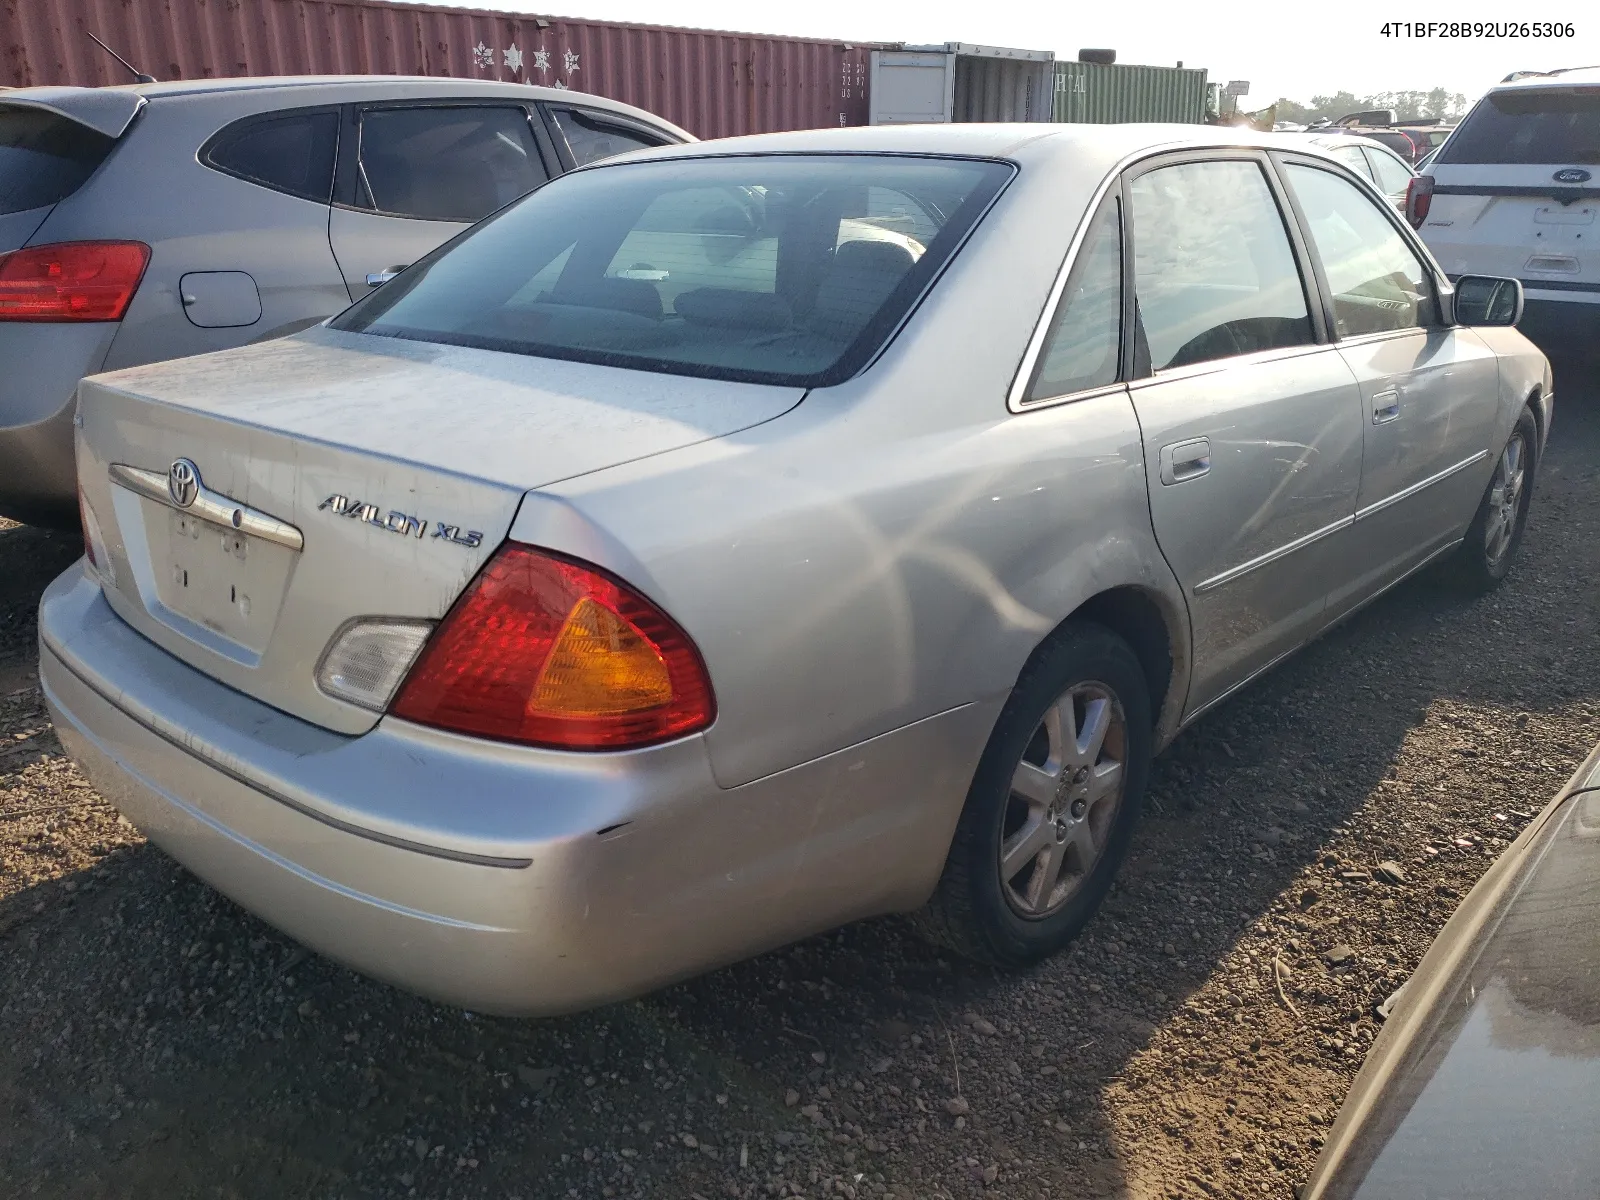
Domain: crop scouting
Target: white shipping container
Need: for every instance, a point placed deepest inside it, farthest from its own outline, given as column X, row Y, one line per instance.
column 961, row 82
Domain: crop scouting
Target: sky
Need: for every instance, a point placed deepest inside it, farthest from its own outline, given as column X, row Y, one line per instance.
column 1286, row 49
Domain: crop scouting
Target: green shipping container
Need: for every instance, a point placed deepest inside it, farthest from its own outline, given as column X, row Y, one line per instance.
column 1102, row 95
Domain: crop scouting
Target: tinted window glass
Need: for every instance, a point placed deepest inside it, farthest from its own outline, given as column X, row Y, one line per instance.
column 1398, row 142
column 44, row 158
column 1354, row 158
column 1082, row 349
column 1377, row 282
column 445, row 163
column 770, row 269
column 1534, row 125
column 591, row 139
column 289, row 154
column 1214, row 275
column 1392, row 176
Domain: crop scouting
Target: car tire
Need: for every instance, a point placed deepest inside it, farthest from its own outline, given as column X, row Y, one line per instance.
column 1084, row 674
column 1484, row 557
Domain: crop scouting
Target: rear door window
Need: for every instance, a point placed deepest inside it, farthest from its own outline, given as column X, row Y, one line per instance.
column 293, row 153
column 1214, row 274
column 591, row 137
column 1355, row 158
column 44, row 158
column 445, row 162
column 1529, row 125
column 786, row 269
column 1392, row 176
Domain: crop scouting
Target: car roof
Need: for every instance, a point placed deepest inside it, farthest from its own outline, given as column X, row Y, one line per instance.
column 1562, row 77
column 123, row 100
column 1013, row 141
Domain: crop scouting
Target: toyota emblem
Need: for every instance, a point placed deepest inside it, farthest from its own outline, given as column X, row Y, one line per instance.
column 183, row 482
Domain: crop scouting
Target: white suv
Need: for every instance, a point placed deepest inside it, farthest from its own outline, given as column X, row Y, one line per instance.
column 1515, row 190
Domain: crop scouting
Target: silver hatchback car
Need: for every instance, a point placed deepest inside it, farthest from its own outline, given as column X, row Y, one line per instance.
column 741, row 539
column 151, row 221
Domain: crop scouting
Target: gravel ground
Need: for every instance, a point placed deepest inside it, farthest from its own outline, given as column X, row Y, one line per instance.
column 157, row 1041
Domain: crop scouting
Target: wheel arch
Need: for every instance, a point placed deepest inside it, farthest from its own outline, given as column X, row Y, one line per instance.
column 1158, row 635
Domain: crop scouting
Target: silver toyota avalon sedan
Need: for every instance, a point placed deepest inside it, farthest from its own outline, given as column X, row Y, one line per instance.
column 735, row 540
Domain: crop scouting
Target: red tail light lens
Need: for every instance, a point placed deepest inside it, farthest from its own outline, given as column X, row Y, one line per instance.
column 1419, row 198
column 71, row 281
column 551, row 652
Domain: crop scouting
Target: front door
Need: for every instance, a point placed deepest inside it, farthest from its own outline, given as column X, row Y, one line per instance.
column 1252, row 426
column 1430, row 393
column 414, row 176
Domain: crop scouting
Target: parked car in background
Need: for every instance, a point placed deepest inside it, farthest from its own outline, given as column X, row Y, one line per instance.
column 1516, row 192
column 1485, row 1081
column 464, row 638
column 152, row 221
column 1382, row 167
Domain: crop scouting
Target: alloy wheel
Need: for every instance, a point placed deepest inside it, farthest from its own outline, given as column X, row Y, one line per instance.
column 1505, row 500
column 1064, row 798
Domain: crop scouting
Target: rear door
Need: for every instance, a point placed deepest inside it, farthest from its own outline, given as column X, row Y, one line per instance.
column 1251, row 421
column 1517, row 192
column 1430, row 393
column 412, row 176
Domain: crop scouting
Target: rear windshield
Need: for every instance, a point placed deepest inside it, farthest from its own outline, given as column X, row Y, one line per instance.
column 788, row 269
column 1529, row 125
column 44, row 158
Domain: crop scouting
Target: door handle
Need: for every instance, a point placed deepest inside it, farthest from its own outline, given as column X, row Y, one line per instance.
column 378, row 278
column 1385, row 406
column 1183, row 461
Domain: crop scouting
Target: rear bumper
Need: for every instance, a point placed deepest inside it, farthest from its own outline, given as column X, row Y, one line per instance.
column 503, row 879
column 40, row 365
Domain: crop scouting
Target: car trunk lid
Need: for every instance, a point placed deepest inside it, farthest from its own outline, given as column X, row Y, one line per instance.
column 332, row 476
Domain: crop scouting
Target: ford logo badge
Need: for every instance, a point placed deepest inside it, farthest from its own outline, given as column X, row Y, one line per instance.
column 1572, row 175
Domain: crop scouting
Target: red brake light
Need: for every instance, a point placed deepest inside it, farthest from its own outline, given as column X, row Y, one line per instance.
column 71, row 281
column 551, row 652
column 1419, row 198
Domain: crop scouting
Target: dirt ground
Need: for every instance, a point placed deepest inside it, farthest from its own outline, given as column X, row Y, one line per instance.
column 157, row 1041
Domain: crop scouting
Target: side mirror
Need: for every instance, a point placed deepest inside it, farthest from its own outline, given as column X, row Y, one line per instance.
column 1488, row 300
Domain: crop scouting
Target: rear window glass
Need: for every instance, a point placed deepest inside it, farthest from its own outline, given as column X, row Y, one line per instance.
column 1529, row 125
column 775, row 269
column 44, row 158
column 291, row 154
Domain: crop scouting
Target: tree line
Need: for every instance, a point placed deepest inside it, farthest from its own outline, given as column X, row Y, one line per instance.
column 1407, row 106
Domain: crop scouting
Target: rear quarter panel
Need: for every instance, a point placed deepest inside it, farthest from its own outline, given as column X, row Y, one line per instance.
column 153, row 189
column 898, row 545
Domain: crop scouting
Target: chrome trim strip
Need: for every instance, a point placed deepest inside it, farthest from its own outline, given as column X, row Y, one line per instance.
column 209, row 506
column 1271, row 556
column 1427, row 561
column 178, row 743
column 1407, row 493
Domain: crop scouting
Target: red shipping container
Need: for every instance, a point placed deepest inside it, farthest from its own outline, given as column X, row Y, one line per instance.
column 711, row 83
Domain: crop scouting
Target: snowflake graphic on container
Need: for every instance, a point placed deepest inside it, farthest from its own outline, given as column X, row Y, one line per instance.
column 570, row 59
column 541, row 61
column 483, row 56
column 513, row 57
